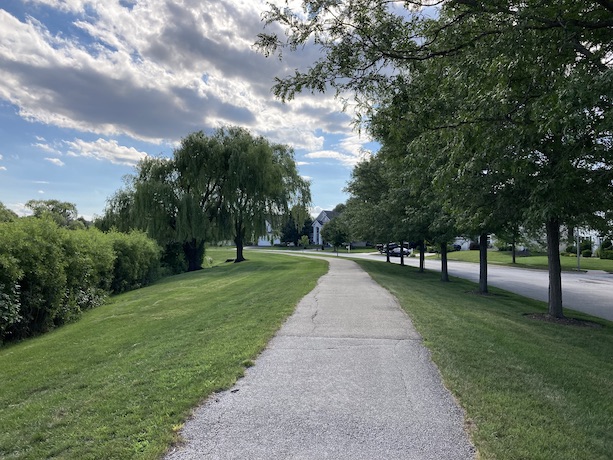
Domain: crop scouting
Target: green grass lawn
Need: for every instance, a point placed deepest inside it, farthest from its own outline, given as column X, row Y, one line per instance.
column 119, row 383
column 538, row 261
column 532, row 390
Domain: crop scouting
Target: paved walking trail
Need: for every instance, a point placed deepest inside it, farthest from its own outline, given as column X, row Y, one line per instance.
column 346, row 377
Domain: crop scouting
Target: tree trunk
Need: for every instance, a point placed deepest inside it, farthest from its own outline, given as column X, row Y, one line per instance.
column 194, row 252
column 402, row 253
column 422, row 256
column 239, row 240
column 555, row 268
column 483, row 263
column 387, row 253
column 513, row 250
column 444, row 270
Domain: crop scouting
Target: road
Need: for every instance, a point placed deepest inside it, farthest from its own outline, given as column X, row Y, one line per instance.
column 589, row 292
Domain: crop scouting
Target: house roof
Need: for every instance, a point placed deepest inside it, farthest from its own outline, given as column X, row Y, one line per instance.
column 321, row 218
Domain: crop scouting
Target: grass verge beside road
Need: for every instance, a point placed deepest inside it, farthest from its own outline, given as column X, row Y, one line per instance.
column 533, row 390
column 537, row 261
column 119, row 383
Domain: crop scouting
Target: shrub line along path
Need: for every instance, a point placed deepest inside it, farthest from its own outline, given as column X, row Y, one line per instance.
column 346, row 377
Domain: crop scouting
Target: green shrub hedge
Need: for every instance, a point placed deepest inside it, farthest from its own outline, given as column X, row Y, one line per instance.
column 137, row 261
column 606, row 254
column 50, row 274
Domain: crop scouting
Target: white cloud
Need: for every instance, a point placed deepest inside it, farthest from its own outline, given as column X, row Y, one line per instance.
column 315, row 211
column 3, row 168
column 47, row 148
column 156, row 71
column 63, row 5
column 346, row 159
column 41, row 192
column 105, row 150
column 55, row 161
column 19, row 208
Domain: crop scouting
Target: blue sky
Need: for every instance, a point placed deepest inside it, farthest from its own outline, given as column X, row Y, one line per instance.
column 87, row 88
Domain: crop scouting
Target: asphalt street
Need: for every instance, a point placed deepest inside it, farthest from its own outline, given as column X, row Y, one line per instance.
column 589, row 292
column 346, row 377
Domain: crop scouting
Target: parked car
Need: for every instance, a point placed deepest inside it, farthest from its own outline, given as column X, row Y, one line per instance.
column 397, row 251
column 383, row 247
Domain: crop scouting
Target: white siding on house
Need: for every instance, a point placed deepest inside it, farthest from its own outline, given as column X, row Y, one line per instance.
column 323, row 218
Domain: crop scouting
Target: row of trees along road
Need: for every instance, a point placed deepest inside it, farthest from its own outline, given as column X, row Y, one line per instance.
column 493, row 115
column 225, row 186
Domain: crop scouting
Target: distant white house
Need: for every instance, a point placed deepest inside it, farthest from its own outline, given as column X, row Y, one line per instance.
column 270, row 238
column 323, row 218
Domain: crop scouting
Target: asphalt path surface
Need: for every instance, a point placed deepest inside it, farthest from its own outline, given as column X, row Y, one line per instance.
column 589, row 292
column 346, row 377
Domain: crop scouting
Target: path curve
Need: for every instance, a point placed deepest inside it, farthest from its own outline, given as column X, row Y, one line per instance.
column 346, row 377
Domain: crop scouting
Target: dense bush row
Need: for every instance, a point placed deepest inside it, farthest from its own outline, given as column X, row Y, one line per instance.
column 50, row 274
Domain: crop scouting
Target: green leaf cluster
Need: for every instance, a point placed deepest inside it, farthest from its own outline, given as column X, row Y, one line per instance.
column 494, row 116
column 229, row 185
column 50, row 274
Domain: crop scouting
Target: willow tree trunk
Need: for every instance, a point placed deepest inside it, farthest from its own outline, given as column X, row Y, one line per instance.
column 483, row 263
column 555, row 268
column 239, row 240
column 402, row 253
column 444, row 270
column 194, row 253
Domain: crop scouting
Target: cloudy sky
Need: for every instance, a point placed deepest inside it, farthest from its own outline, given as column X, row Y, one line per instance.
column 88, row 87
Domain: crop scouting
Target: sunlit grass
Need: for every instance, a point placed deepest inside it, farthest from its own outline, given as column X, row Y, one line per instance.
column 538, row 261
column 534, row 390
column 119, row 383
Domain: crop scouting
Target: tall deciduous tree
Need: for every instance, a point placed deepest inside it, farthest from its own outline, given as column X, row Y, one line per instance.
column 526, row 85
column 297, row 224
column 6, row 215
column 62, row 212
column 336, row 232
column 261, row 186
column 176, row 200
column 227, row 185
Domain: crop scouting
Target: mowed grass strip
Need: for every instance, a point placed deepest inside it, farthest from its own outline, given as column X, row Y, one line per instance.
column 533, row 390
column 119, row 383
column 537, row 261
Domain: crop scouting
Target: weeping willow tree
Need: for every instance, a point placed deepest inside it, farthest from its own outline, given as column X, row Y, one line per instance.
column 176, row 200
column 262, row 186
column 230, row 185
